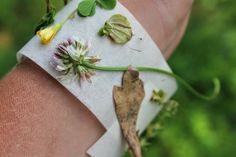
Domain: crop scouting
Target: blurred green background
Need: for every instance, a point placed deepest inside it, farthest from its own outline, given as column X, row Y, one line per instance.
column 200, row 129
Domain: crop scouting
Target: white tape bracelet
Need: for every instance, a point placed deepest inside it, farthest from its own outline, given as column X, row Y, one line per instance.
column 97, row 96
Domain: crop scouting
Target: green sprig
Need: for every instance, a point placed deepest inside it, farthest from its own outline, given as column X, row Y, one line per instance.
column 168, row 111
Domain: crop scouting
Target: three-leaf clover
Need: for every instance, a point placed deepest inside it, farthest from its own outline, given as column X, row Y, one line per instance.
column 88, row 7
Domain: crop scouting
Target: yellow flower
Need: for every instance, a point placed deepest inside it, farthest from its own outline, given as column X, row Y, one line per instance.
column 49, row 33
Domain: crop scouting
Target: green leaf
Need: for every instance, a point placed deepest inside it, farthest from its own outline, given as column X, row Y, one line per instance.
column 118, row 29
column 46, row 20
column 93, row 10
column 86, row 8
column 107, row 4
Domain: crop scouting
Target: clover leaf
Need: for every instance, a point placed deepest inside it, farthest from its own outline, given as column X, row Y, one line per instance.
column 88, row 7
column 107, row 4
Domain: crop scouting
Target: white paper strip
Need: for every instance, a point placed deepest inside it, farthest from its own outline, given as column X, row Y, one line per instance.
column 97, row 97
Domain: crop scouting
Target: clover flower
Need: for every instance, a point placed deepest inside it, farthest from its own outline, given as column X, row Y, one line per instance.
column 70, row 57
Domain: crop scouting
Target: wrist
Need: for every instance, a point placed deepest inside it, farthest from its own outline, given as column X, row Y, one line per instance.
column 33, row 102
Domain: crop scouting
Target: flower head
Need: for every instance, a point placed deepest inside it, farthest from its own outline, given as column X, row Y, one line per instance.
column 158, row 96
column 70, row 57
column 49, row 33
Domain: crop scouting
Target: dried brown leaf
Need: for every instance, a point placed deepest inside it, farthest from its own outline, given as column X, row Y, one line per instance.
column 128, row 99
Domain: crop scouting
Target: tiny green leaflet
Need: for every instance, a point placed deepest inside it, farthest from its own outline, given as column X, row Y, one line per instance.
column 88, row 7
column 118, row 29
column 107, row 4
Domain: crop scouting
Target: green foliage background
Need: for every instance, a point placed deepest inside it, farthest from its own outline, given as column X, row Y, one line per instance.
column 200, row 129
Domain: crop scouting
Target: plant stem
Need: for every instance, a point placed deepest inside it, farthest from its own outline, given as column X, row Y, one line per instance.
column 216, row 81
column 65, row 2
column 49, row 5
column 72, row 14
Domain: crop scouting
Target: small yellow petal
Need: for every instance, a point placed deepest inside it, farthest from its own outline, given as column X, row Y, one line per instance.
column 49, row 33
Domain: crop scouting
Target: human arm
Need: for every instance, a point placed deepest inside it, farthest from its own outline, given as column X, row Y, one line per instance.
column 41, row 118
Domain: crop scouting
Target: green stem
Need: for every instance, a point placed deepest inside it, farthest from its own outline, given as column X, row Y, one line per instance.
column 216, row 81
column 72, row 14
